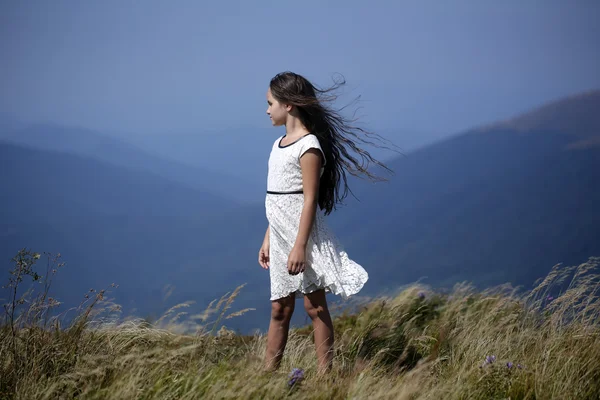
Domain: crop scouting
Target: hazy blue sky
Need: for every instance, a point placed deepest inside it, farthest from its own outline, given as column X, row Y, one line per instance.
column 195, row 66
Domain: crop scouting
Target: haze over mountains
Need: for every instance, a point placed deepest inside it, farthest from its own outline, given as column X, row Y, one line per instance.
column 500, row 203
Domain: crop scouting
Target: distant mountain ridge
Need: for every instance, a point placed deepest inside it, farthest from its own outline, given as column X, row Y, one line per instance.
column 576, row 115
column 55, row 184
column 89, row 143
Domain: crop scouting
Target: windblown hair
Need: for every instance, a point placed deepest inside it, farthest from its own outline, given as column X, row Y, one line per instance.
column 337, row 135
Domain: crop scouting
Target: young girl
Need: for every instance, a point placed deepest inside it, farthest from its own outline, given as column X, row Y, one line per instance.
column 306, row 167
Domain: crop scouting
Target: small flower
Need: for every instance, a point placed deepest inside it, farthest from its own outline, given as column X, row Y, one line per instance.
column 549, row 298
column 490, row 359
column 509, row 365
column 421, row 295
column 519, row 366
column 295, row 376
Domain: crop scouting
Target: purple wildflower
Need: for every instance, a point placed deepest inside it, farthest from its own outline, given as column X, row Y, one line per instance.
column 490, row 359
column 295, row 376
column 509, row 365
column 421, row 295
column 519, row 366
column 549, row 298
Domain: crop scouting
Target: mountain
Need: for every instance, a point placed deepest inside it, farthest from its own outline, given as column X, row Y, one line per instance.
column 92, row 144
column 201, row 257
column 576, row 115
column 43, row 184
column 114, row 224
column 501, row 203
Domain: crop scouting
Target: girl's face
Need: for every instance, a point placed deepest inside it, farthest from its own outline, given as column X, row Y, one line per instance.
column 277, row 112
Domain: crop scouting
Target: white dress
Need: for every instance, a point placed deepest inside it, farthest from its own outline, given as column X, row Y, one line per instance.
column 327, row 264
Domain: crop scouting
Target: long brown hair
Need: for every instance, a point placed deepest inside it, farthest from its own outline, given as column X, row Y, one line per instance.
column 337, row 135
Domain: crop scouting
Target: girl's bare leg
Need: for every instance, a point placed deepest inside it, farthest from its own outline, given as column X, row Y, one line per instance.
column 281, row 314
column 316, row 306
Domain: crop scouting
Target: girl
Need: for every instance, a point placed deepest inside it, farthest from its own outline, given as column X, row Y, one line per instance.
column 306, row 168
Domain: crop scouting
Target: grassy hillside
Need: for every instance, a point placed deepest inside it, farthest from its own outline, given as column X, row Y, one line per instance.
column 497, row 343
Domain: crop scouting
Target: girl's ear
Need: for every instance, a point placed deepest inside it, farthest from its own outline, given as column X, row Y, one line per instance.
column 289, row 107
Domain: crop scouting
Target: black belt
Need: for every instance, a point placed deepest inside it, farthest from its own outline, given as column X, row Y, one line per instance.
column 294, row 192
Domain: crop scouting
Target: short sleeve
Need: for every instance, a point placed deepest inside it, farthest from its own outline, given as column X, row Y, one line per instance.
column 311, row 142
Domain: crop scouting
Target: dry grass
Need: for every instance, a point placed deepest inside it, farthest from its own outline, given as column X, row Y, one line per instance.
column 417, row 345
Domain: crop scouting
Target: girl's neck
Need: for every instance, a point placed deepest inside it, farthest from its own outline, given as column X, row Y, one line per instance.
column 295, row 128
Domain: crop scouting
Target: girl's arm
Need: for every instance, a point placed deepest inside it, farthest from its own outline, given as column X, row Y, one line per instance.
column 310, row 163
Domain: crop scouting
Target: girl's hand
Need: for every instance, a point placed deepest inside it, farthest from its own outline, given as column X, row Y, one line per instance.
column 263, row 256
column 297, row 260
